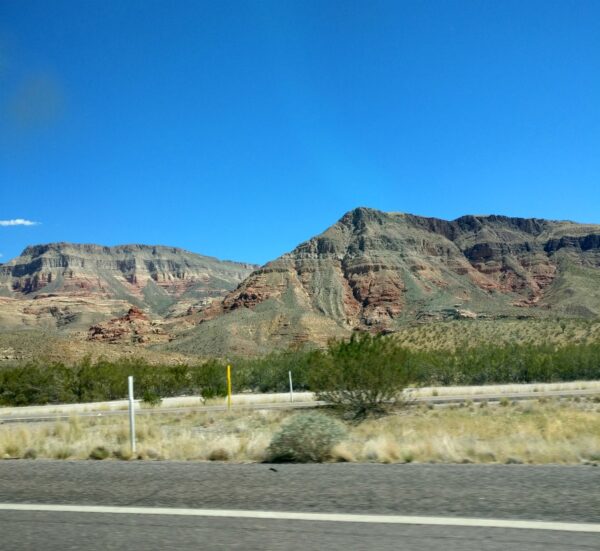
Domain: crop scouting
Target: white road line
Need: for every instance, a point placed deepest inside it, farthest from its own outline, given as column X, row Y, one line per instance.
column 314, row 517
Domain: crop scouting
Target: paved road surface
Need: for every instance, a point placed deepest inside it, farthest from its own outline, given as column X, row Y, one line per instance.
column 550, row 494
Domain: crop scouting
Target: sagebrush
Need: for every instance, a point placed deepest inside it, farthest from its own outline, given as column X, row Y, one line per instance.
column 306, row 438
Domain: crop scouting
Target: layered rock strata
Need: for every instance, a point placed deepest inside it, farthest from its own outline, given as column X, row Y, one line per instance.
column 77, row 284
column 375, row 271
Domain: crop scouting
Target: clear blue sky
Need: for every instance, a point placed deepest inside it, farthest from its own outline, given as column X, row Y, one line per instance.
column 239, row 129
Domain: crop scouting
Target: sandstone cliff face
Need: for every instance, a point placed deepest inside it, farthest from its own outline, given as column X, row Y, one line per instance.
column 376, row 271
column 75, row 285
column 135, row 327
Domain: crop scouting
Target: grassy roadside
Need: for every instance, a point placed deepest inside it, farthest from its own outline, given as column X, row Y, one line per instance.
column 536, row 432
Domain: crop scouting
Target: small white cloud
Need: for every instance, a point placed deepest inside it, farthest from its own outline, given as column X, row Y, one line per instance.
column 18, row 222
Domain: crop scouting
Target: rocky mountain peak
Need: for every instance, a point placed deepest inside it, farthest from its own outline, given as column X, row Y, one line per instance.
column 359, row 218
column 375, row 271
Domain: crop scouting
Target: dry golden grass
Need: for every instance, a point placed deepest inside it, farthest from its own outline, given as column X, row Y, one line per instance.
column 534, row 432
column 225, row 436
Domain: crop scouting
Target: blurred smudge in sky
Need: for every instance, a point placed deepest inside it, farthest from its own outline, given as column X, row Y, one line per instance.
column 37, row 101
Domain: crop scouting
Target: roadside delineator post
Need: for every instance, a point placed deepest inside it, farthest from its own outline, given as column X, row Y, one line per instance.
column 131, row 413
column 291, row 387
column 228, row 386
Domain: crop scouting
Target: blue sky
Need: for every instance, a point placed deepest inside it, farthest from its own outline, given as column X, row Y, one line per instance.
column 239, row 129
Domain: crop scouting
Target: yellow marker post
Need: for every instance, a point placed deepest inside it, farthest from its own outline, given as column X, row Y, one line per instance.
column 228, row 387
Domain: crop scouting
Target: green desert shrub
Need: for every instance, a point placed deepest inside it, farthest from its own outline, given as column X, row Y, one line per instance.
column 219, row 454
column 363, row 376
column 270, row 373
column 30, row 453
column 151, row 397
column 99, row 453
column 211, row 379
column 306, row 438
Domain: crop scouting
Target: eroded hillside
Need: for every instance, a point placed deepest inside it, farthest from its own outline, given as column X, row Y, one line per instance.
column 379, row 271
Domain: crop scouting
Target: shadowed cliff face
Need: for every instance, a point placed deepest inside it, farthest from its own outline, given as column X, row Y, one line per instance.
column 375, row 271
column 67, row 284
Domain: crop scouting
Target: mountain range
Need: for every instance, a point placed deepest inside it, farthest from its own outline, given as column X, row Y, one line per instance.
column 370, row 271
column 72, row 286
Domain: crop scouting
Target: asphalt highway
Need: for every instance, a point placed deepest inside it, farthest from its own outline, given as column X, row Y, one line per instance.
column 113, row 505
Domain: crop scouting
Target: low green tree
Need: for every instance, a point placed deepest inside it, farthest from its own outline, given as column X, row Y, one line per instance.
column 363, row 376
column 210, row 379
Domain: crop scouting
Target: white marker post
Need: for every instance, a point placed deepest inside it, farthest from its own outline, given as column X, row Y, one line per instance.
column 291, row 387
column 131, row 414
